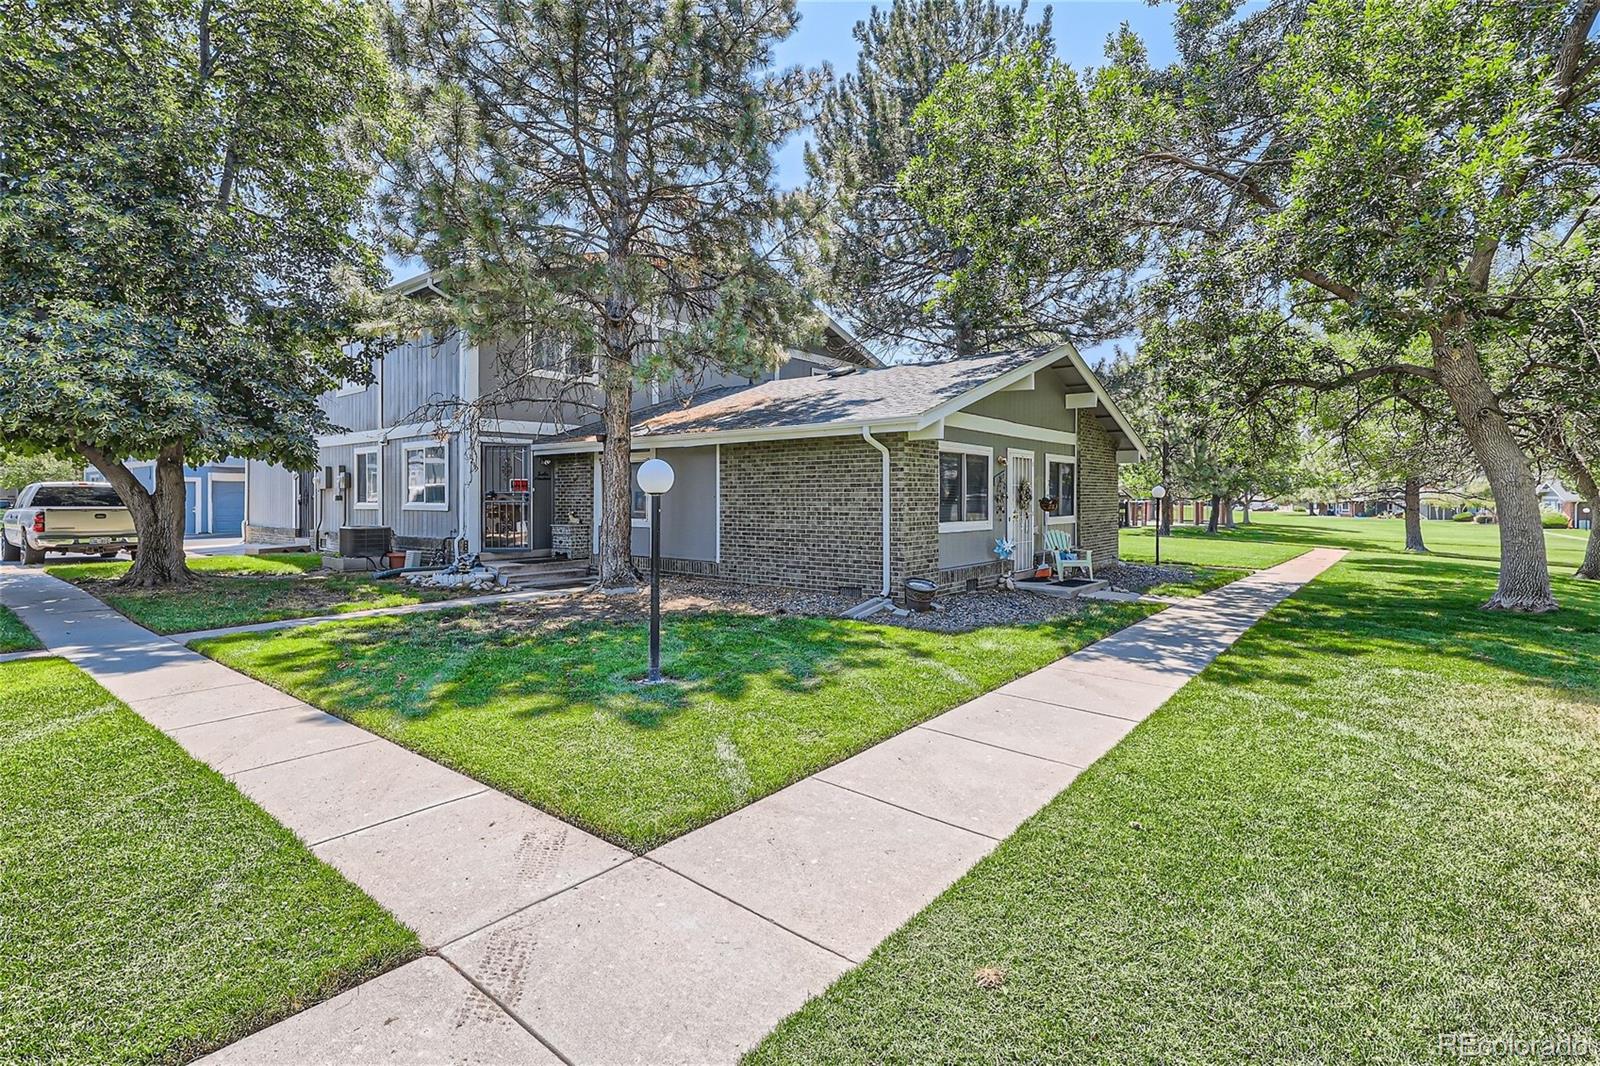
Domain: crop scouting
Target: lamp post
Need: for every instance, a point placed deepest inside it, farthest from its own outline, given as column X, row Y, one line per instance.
column 1159, row 493
column 655, row 478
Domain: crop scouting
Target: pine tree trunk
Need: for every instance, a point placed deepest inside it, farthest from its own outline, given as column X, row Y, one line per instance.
column 1164, row 515
column 615, row 562
column 1524, row 583
column 1216, row 505
column 1413, row 505
column 158, row 517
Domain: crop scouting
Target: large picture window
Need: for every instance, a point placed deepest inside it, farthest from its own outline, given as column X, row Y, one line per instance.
column 427, row 477
column 1061, row 477
column 965, row 488
column 554, row 356
column 367, row 478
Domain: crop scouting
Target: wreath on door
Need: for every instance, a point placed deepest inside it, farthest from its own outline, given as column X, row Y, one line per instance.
column 1024, row 496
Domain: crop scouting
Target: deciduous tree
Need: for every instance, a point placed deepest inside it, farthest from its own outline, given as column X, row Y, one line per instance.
column 180, row 257
column 1383, row 165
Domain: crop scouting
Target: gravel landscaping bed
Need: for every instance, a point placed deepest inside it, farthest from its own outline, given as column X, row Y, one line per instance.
column 955, row 613
column 1142, row 577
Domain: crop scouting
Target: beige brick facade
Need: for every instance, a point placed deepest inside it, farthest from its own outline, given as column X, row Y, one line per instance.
column 1097, row 490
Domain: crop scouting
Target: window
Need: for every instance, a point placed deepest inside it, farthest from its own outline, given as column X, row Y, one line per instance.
column 1061, row 475
column 367, row 477
column 76, row 496
column 641, row 501
column 427, row 471
column 551, row 355
column 964, row 488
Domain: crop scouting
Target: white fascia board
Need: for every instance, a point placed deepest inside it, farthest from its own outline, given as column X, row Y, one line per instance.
column 735, row 436
column 1000, row 427
column 1081, row 401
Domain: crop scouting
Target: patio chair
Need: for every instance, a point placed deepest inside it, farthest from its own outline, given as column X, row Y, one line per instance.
column 1063, row 556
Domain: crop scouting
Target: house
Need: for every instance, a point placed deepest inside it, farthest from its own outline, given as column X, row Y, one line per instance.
column 1554, row 496
column 214, row 493
column 403, row 459
column 860, row 479
column 830, row 471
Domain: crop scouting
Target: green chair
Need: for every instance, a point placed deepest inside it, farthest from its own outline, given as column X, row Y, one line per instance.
column 1064, row 557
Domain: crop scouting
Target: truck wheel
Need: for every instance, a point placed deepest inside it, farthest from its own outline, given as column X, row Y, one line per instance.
column 9, row 552
column 108, row 555
column 32, row 556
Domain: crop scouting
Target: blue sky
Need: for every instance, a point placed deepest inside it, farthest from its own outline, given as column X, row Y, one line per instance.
column 1081, row 28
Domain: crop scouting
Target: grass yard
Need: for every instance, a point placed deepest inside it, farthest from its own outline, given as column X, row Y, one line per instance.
column 1202, row 580
column 236, row 590
column 148, row 911
column 556, row 717
column 1277, row 536
column 1373, row 821
column 14, row 636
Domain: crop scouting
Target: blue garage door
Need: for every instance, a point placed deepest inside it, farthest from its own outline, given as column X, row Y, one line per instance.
column 227, row 508
column 191, row 514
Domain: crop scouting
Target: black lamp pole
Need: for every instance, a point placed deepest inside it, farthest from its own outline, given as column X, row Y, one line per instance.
column 655, row 587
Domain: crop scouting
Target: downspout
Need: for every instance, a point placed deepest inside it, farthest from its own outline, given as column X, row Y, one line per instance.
column 866, row 434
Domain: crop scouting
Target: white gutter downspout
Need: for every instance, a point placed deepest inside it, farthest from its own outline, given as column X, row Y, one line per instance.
column 866, row 434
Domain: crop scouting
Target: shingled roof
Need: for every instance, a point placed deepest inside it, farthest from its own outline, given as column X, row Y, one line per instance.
column 904, row 392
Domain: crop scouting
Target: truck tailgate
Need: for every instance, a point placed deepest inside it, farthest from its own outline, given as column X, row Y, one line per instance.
column 111, row 522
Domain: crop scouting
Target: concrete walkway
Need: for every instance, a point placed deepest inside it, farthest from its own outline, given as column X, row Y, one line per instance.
column 551, row 945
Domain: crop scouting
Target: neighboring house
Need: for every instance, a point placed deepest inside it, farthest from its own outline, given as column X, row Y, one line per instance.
column 400, row 461
column 859, row 480
column 214, row 504
column 1554, row 496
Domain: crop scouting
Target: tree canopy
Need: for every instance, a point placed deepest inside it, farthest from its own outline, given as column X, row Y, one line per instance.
column 181, row 260
column 1308, row 166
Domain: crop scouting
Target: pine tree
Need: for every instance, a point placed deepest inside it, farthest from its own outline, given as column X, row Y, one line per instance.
column 602, row 171
column 880, row 262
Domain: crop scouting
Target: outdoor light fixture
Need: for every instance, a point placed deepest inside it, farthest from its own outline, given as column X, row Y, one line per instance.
column 1159, row 493
column 655, row 478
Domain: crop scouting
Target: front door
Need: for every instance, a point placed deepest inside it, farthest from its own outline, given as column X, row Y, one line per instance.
column 506, row 493
column 1019, row 508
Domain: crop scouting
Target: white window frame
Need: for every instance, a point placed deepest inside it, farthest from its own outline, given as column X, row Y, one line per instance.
column 957, row 447
column 533, row 337
column 1067, row 460
column 355, row 477
column 405, row 474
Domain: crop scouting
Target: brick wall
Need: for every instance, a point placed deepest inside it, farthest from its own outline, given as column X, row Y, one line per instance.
column 1097, row 490
column 914, row 510
column 572, row 481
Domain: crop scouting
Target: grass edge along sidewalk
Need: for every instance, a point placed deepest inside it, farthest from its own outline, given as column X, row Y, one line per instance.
column 150, row 912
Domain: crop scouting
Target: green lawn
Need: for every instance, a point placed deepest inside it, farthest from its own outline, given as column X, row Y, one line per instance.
column 148, row 911
column 14, row 636
column 557, row 718
column 235, row 590
column 1276, row 536
column 1201, row 581
column 1374, row 820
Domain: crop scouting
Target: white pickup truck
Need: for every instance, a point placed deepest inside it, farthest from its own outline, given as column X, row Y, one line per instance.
column 67, row 516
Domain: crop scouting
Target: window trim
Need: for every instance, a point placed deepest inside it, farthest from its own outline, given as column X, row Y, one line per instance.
column 355, row 477
column 405, row 473
column 961, row 448
column 1066, row 460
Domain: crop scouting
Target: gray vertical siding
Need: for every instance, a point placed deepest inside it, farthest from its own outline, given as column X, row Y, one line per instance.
column 270, row 500
column 416, row 374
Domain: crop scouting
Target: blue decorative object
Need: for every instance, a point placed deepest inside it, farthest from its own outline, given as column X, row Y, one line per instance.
column 1004, row 548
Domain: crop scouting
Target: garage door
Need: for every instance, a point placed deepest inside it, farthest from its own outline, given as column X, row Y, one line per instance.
column 191, row 508
column 227, row 508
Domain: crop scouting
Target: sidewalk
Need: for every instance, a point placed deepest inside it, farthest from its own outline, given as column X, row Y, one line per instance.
column 551, row 944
